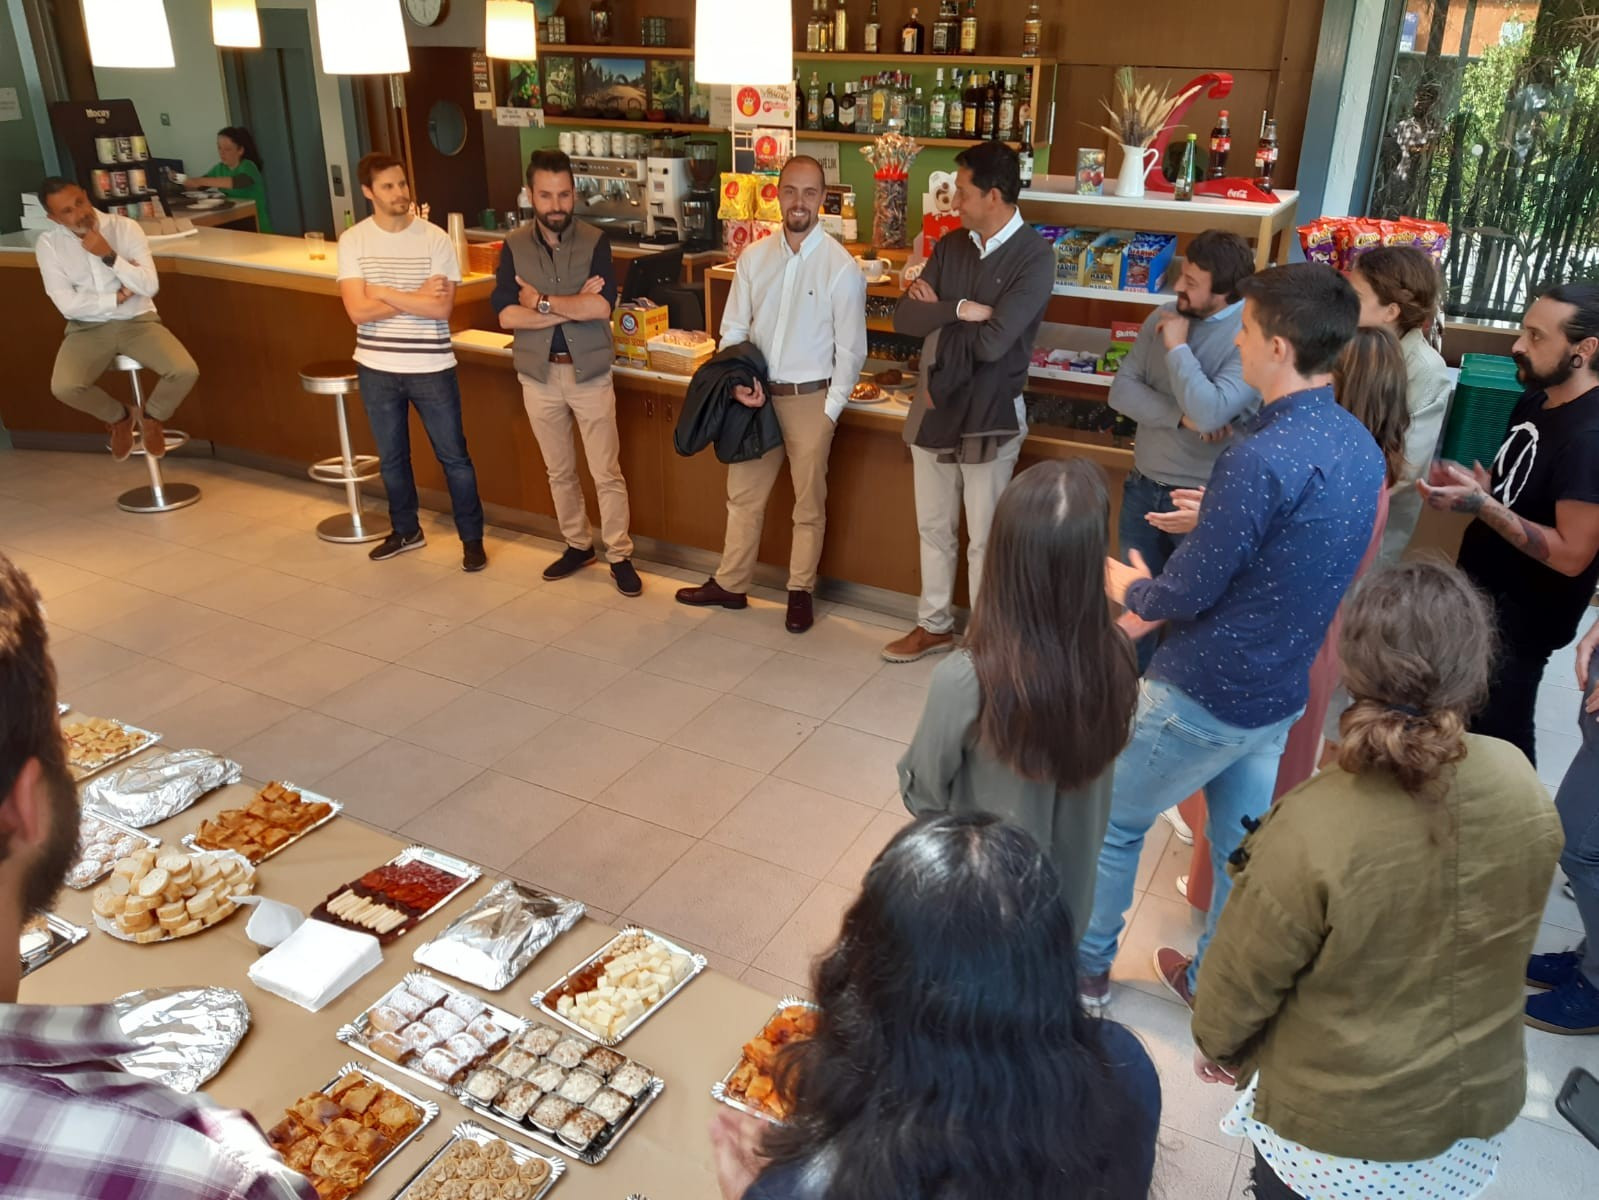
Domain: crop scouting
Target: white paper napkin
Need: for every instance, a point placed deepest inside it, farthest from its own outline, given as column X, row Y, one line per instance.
column 316, row 963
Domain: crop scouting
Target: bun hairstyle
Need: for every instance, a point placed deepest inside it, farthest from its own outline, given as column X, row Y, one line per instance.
column 1407, row 278
column 1418, row 646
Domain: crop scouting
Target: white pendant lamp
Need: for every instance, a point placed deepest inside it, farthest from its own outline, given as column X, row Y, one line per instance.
column 235, row 24
column 511, row 30
column 743, row 41
column 128, row 33
column 362, row 37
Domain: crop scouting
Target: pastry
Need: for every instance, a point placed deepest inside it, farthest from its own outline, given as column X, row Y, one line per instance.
column 96, row 741
column 579, row 1086
column 632, row 1080
column 547, row 1077
column 610, row 1105
column 518, row 1100
column 276, row 816
column 485, row 1084
column 581, row 1128
column 866, row 391
column 336, row 1138
column 603, row 1061
column 539, row 1039
column 485, row 1030
column 568, row 1052
column 550, row 1113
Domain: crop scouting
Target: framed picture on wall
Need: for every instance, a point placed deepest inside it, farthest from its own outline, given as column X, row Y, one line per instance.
column 560, row 84
column 699, row 97
column 522, row 90
column 668, row 89
column 614, row 88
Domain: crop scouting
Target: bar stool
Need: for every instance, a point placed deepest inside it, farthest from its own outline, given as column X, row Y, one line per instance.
column 160, row 496
column 337, row 378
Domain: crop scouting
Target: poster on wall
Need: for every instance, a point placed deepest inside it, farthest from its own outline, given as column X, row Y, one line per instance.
column 668, row 90
column 522, row 85
column 560, row 84
column 482, row 85
column 616, row 89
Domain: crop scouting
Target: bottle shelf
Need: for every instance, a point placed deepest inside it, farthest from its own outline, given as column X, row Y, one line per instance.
column 841, row 136
column 616, row 51
column 888, row 59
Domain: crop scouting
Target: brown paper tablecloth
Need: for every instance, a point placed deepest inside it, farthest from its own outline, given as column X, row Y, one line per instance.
column 690, row 1042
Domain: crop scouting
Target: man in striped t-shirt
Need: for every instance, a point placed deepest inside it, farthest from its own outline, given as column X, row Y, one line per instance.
column 397, row 275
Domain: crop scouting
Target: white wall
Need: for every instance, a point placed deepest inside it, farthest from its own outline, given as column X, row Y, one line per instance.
column 1354, row 104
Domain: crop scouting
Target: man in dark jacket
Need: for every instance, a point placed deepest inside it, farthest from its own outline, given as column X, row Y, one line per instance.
column 978, row 305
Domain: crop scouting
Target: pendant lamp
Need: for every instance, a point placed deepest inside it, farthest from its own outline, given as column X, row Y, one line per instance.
column 743, row 41
column 235, row 24
column 362, row 37
column 511, row 30
column 128, row 33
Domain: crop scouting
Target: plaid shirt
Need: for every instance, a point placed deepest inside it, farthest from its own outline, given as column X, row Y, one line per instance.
column 73, row 1123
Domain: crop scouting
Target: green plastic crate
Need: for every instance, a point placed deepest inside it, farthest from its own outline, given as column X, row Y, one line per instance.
column 1484, row 398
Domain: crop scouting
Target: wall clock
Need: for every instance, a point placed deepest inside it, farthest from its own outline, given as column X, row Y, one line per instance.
column 426, row 12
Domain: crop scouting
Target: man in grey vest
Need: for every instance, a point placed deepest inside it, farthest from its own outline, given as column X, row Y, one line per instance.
column 554, row 291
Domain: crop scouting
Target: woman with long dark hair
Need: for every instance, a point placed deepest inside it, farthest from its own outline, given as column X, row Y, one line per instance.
column 952, row 1060
column 238, row 172
column 1026, row 720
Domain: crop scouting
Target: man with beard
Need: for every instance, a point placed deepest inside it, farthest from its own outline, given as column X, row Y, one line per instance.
column 554, row 291
column 72, row 1121
column 1534, row 546
column 800, row 300
column 1183, row 384
column 397, row 276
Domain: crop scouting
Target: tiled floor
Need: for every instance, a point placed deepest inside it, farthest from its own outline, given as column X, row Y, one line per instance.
column 705, row 773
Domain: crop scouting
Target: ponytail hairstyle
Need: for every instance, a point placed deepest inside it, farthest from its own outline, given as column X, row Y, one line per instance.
column 1418, row 647
column 245, row 141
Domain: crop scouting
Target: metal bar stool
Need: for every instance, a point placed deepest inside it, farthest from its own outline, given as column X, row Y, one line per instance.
column 160, row 496
column 337, row 378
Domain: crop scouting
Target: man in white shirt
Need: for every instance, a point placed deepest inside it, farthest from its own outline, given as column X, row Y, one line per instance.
column 397, row 277
column 800, row 299
column 98, row 270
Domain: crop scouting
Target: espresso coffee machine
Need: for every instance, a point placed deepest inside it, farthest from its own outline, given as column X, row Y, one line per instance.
column 699, row 206
column 668, row 186
column 611, row 194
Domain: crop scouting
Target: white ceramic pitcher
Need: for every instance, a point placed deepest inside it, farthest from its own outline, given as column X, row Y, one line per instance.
column 1136, row 161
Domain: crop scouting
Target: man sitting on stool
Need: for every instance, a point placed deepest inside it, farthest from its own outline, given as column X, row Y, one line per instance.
column 98, row 270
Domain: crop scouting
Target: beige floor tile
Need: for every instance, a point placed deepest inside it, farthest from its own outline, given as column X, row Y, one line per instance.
column 493, row 819
column 774, row 986
column 1162, row 853
column 314, row 611
column 1154, row 921
column 159, row 625
column 469, row 654
column 760, row 624
column 1550, row 1057
column 793, row 826
column 304, row 749
column 649, row 705
column 389, row 632
column 188, row 526
column 803, row 685
column 480, row 726
column 884, row 707
column 722, row 899
column 1188, row 1104
column 918, row 673
column 592, row 585
column 245, row 590
column 113, row 553
column 847, row 762
column 391, row 699
column 460, row 596
column 233, row 649
column 266, row 543
column 840, row 640
column 851, row 867
column 1543, row 1161
column 680, row 790
column 395, row 782
column 541, row 615
column 50, row 578
column 810, row 932
column 308, row 557
column 746, row 732
column 81, row 660
column 1190, row 1167
column 393, row 580
column 309, row 674
column 577, row 757
column 141, row 692
column 179, row 574
column 602, row 858
column 86, row 608
column 220, row 718
column 709, row 661
column 616, row 636
column 559, row 680
column 659, row 601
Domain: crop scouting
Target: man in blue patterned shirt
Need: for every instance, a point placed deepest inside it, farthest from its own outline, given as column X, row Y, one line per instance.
column 1246, row 600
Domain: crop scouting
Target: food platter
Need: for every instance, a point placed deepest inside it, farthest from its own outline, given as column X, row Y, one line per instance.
column 101, row 842
column 437, row 1170
column 201, row 840
column 54, row 937
column 731, row 1088
column 369, row 904
column 82, row 770
column 587, row 974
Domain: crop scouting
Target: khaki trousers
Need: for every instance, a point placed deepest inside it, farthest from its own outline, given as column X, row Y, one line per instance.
column 553, row 407
column 807, row 440
column 942, row 490
column 87, row 352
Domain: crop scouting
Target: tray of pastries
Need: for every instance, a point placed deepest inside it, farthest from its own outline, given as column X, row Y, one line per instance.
column 431, row 1030
column 94, row 743
column 749, row 1086
column 396, row 897
column 47, row 937
column 341, row 1135
column 562, row 1090
column 477, row 1158
column 619, row 986
column 279, row 815
column 160, row 896
column 102, row 843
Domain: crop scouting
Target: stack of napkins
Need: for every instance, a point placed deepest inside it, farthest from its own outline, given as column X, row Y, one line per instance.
column 316, row 963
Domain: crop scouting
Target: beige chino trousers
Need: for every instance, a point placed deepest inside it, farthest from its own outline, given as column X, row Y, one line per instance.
column 553, row 408
column 87, row 353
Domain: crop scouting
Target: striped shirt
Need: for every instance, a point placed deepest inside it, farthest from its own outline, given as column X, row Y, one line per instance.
column 74, row 1124
column 402, row 344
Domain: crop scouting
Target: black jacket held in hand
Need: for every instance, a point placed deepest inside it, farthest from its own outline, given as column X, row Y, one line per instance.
column 711, row 416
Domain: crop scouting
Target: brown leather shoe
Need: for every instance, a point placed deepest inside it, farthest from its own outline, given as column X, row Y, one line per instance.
column 121, row 438
column 155, row 437
column 918, row 643
column 801, row 615
column 711, row 594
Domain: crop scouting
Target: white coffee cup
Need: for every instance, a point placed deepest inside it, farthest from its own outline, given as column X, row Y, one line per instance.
column 580, row 145
column 564, row 141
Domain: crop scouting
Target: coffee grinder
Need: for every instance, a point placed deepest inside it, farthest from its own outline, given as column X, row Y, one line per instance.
column 699, row 206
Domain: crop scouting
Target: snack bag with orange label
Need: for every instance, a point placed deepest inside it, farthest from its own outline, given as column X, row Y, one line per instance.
column 767, row 206
column 1318, row 242
column 736, row 235
column 738, row 197
column 764, row 229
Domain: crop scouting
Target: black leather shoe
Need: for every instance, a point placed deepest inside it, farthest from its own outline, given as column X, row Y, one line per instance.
column 710, row 594
column 626, row 578
column 801, row 616
column 473, row 557
column 572, row 559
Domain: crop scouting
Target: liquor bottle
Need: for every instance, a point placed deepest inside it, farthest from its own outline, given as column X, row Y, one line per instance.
column 898, row 102
column 1025, row 153
column 813, row 104
column 873, row 28
column 971, row 105
column 830, row 109
column 1183, row 185
column 600, row 23
column 988, row 117
column 840, row 29
column 824, row 28
column 813, row 33
column 1005, row 127
column 1221, row 145
column 1032, row 31
column 937, row 107
column 1024, row 98
column 954, row 107
column 916, row 115
column 912, row 35
column 880, row 104
column 1266, row 155
column 946, row 30
column 846, row 109
column 969, row 28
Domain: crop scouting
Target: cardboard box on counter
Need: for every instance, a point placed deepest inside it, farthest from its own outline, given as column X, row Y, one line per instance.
column 632, row 326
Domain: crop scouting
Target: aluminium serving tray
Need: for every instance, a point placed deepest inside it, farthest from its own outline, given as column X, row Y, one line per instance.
column 542, row 1001
column 471, row 1131
column 79, row 774
column 468, row 874
column 63, row 936
column 335, row 807
column 80, row 882
column 722, row 1089
column 427, row 1108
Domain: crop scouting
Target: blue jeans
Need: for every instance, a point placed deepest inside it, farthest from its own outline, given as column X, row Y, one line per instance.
column 1177, row 748
column 437, row 398
column 1578, row 804
column 1141, row 495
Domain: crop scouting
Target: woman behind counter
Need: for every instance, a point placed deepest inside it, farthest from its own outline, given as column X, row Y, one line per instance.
column 239, row 172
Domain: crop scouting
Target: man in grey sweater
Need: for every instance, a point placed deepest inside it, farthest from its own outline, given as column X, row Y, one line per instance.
column 1183, row 383
column 996, row 275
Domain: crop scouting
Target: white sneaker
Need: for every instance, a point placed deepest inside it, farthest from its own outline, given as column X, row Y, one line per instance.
column 1182, row 886
column 1179, row 826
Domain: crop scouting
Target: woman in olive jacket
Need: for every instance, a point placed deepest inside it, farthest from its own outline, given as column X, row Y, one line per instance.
column 1364, row 986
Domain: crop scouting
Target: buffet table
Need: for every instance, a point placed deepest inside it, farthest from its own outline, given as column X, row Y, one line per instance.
column 691, row 1042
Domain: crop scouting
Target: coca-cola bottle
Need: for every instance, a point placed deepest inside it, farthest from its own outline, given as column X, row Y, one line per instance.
column 1266, row 155
column 1221, row 144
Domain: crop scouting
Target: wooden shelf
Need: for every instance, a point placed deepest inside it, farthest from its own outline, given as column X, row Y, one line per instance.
column 841, row 136
column 1114, row 296
column 616, row 51
column 1048, row 375
column 889, row 59
column 611, row 123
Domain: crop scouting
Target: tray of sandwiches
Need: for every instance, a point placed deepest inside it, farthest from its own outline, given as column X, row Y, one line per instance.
column 47, row 937
column 102, row 843
column 162, row 896
column 95, row 743
column 620, row 986
column 340, row 1135
column 750, row 1085
column 279, row 815
column 395, row 898
column 475, row 1155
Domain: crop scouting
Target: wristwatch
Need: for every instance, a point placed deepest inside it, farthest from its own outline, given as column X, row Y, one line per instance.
column 544, row 305
column 110, row 260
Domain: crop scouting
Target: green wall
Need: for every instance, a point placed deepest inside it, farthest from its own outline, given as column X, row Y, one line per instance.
column 21, row 160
